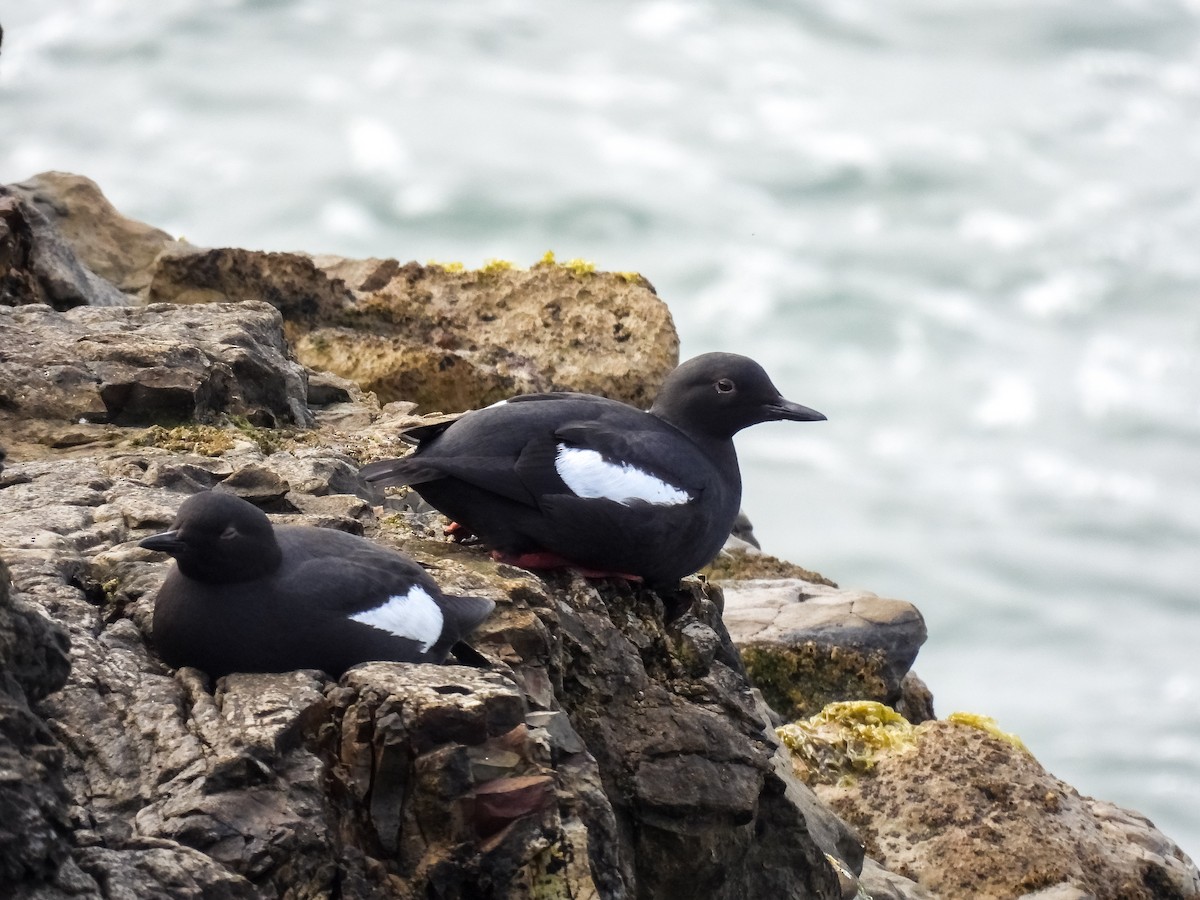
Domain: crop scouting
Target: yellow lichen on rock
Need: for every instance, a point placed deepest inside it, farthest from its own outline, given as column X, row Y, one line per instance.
column 580, row 266
column 986, row 724
column 461, row 340
column 491, row 266
column 845, row 739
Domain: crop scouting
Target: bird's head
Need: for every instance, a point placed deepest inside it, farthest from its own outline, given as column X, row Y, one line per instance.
column 718, row 394
column 217, row 537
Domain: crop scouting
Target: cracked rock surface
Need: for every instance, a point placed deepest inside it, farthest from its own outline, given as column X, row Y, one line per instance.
column 614, row 749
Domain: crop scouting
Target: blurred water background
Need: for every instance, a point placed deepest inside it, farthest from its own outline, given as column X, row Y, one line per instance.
column 968, row 232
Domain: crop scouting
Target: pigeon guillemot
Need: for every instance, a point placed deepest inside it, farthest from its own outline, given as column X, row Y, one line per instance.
column 248, row 597
column 578, row 480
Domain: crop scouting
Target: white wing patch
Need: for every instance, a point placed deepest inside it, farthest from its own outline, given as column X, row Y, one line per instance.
column 414, row 615
column 588, row 474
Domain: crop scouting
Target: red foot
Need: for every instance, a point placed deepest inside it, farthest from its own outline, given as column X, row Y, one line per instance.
column 543, row 559
column 457, row 531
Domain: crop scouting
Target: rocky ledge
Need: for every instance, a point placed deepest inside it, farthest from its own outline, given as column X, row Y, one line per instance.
column 624, row 743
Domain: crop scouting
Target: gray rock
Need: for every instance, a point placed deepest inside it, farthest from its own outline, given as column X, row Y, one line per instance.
column 1064, row 891
column 808, row 644
column 40, row 265
column 615, row 749
column 633, row 756
column 880, row 884
column 35, row 834
column 141, row 366
column 916, row 700
column 118, row 249
column 835, row 838
column 405, row 331
column 562, row 736
column 290, row 282
column 683, row 755
column 326, row 389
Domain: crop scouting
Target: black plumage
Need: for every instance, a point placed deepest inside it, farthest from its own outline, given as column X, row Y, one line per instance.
column 575, row 479
column 245, row 596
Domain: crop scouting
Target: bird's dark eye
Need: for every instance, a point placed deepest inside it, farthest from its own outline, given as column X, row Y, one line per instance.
column 229, row 533
column 725, row 386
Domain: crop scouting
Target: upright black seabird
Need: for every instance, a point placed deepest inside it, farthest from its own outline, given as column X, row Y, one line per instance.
column 247, row 597
column 574, row 479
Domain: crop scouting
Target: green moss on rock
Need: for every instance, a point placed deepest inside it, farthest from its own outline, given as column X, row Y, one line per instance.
column 802, row 679
column 204, row 440
column 209, row 440
column 737, row 565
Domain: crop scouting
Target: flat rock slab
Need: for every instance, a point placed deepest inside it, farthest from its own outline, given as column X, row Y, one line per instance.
column 147, row 365
column 808, row 644
column 790, row 611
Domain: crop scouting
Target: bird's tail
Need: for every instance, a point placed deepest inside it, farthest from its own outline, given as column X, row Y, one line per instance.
column 388, row 472
column 464, row 614
column 466, row 655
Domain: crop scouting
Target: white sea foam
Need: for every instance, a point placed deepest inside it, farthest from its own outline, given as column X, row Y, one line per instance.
column 374, row 146
column 1009, row 402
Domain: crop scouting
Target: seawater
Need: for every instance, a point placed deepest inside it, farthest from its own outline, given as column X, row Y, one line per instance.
column 967, row 232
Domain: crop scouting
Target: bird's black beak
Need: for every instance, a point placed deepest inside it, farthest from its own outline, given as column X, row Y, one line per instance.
column 793, row 412
column 167, row 542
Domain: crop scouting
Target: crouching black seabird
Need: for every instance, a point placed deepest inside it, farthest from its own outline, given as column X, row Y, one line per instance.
column 573, row 479
column 247, row 597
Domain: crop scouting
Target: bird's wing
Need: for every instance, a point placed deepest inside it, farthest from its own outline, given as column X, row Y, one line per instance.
column 352, row 576
column 573, row 396
column 427, row 431
column 664, row 453
column 356, row 577
column 510, row 450
column 494, row 474
column 418, row 434
column 463, row 615
column 405, row 470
